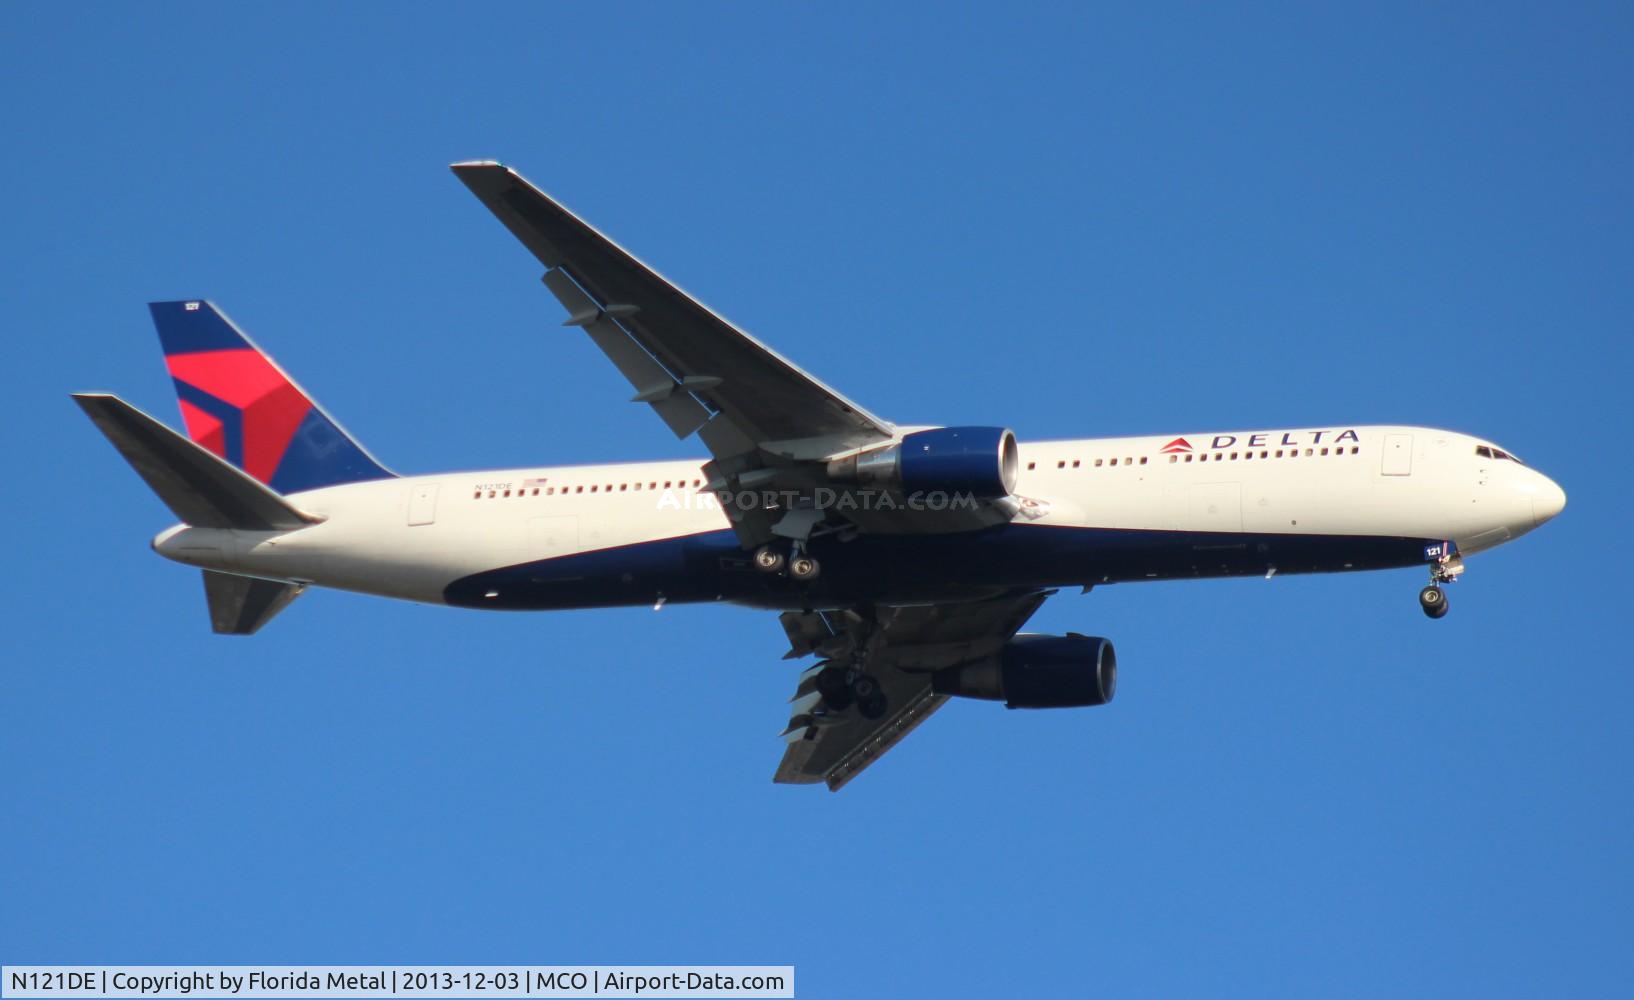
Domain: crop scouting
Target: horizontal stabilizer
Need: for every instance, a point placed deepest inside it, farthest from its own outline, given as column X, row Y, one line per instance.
column 241, row 604
column 202, row 489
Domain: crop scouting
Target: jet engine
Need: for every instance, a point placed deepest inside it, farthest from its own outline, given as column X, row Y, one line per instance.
column 981, row 461
column 1038, row 671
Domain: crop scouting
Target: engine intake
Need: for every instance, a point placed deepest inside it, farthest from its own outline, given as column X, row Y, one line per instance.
column 1038, row 671
column 981, row 461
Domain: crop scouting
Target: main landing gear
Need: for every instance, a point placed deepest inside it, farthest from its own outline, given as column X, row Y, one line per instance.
column 842, row 687
column 771, row 558
column 1444, row 570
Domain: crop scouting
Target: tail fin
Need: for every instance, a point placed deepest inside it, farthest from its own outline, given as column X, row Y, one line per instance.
column 240, row 405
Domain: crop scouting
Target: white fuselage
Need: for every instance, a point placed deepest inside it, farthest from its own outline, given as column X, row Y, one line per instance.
column 633, row 533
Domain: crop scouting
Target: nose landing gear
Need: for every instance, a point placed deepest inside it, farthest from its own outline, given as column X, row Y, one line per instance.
column 1445, row 569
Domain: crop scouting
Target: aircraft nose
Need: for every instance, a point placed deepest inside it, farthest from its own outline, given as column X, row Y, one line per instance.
column 1549, row 500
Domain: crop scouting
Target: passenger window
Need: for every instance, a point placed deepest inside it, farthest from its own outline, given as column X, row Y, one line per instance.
column 1143, row 460
column 1075, row 463
column 1188, row 458
column 1308, row 452
column 1031, row 466
column 1061, row 464
column 1098, row 462
column 1173, row 459
column 1355, row 449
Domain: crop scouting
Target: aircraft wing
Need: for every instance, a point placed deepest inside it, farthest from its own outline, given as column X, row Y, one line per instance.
column 771, row 428
column 900, row 647
column 693, row 352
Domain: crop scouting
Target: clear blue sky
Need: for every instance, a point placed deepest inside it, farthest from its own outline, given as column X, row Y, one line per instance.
column 1180, row 219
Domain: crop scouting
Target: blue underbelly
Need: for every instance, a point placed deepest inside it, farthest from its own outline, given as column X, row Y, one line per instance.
column 908, row 568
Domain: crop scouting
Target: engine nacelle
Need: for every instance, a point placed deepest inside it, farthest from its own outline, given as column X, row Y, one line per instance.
column 1038, row 671
column 980, row 461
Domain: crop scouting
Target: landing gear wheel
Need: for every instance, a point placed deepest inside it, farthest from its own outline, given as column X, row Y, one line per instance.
column 803, row 567
column 832, row 686
column 870, row 698
column 769, row 559
column 1434, row 601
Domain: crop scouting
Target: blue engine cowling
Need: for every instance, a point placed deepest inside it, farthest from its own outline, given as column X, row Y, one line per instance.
column 978, row 461
column 1038, row 671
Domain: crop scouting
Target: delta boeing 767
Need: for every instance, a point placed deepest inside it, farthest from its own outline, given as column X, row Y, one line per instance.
column 904, row 559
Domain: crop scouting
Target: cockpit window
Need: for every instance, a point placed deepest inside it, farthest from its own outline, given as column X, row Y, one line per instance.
column 1482, row 451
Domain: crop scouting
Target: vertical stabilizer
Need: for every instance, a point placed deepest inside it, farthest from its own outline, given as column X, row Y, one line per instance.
column 240, row 405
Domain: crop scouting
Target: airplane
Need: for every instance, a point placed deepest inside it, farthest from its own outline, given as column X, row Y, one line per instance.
column 904, row 559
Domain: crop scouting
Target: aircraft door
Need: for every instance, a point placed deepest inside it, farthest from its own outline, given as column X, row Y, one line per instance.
column 1398, row 455
column 422, row 508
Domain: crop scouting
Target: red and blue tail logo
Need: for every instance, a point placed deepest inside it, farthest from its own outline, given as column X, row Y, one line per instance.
column 240, row 405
